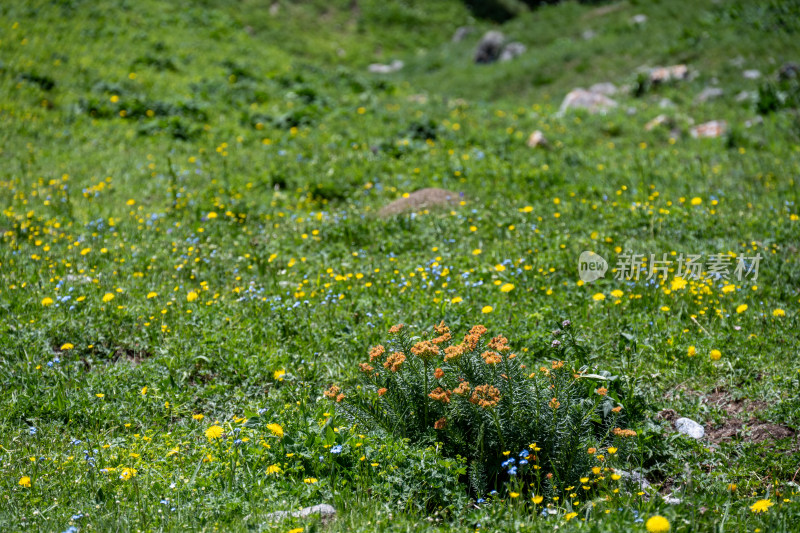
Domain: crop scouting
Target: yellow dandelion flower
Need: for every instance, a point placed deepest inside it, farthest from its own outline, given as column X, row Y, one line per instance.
column 25, row 481
column 537, row 499
column 742, row 308
column 278, row 375
column 514, row 494
column 779, row 312
column 507, row 287
column 214, row 432
column 570, row 516
column 487, row 309
column 273, row 469
column 192, row 296
column 198, row 417
column 715, row 355
column 697, row 200
column 657, row 524
column 107, row 297
column 67, row 346
column 310, row 480
column 47, row 301
column 151, row 295
column 691, row 351
column 761, row 506
column 275, row 429
column 599, row 297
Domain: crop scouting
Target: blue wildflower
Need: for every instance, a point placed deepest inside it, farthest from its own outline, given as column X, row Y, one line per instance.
column 336, row 449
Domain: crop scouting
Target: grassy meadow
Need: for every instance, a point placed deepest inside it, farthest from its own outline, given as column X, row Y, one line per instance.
column 191, row 255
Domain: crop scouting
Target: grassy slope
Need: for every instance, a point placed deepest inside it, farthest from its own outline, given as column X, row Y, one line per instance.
column 217, row 91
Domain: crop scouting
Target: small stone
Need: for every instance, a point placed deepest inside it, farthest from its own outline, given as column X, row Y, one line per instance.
column 512, row 50
column 689, row 427
column 588, row 35
column 708, row 93
column 326, row 513
column 537, row 139
column 746, row 95
column 656, row 122
column 666, row 103
column 751, row 74
column 380, row 68
column 639, row 19
column 715, row 128
column 665, row 74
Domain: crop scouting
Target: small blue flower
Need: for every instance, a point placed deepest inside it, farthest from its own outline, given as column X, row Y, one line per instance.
column 481, row 500
column 237, row 442
column 512, row 471
column 32, row 430
column 336, row 449
column 524, row 454
column 523, row 462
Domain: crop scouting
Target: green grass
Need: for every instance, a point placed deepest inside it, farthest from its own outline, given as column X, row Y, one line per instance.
column 218, row 170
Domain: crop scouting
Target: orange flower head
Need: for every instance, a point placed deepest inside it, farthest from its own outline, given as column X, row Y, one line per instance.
column 491, row 358
column 602, row 391
column 485, row 396
column 462, row 389
column 376, row 352
column 440, row 395
column 394, row 361
column 332, row 392
column 395, row 329
column 425, row 350
column 438, row 373
column 366, row 368
column 382, row 391
column 499, row 344
column 440, row 424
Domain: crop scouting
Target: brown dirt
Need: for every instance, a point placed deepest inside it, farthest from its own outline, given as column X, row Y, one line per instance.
column 421, row 199
column 739, row 413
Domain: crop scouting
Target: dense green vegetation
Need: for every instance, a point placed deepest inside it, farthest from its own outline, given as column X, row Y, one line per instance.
column 191, row 255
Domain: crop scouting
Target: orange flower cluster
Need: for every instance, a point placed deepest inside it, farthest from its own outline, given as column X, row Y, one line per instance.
column 438, row 373
column 485, row 395
column 444, row 333
column 382, row 391
column 624, row 433
column 366, row 367
column 471, row 339
column 334, row 393
column 554, row 404
column 440, row 424
column 491, row 358
column 617, row 409
column 462, row 389
column 499, row 344
column 557, row 364
column 395, row 329
column 602, row 391
column 376, row 352
column 440, row 395
column 455, row 351
column 394, row 361
column 425, row 350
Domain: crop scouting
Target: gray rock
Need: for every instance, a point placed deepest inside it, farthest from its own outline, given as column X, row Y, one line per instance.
column 606, row 88
column 490, row 47
column 588, row 35
column 689, row 427
column 666, row 103
column 512, row 50
column 462, row 33
column 751, row 74
column 583, row 99
column 326, row 513
column 709, row 93
column 634, row 477
column 639, row 19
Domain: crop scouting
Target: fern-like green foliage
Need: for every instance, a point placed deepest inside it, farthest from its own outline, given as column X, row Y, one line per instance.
column 478, row 400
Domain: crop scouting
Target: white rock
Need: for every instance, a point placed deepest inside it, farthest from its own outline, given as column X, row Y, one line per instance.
column 639, row 19
column 583, row 99
column 656, row 122
column 380, row 68
column 751, row 74
column 689, row 427
column 537, row 139
column 512, row 50
column 326, row 512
